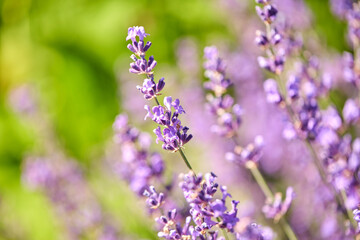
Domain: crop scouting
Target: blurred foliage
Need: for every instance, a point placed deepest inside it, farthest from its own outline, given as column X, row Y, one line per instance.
column 67, row 49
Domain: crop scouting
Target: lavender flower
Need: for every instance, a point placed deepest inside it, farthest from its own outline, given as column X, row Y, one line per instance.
column 356, row 213
column 154, row 199
column 351, row 111
column 251, row 153
column 174, row 136
column 220, row 104
column 272, row 92
column 138, row 165
column 205, row 209
column 253, row 231
column 275, row 208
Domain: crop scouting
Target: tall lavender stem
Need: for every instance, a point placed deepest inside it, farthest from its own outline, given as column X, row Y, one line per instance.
column 277, row 49
column 174, row 136
column 228, row 122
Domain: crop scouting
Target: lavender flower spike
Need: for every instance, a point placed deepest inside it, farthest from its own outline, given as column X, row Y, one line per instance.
column 275, row 208
column 173, row 135
column 137, row 47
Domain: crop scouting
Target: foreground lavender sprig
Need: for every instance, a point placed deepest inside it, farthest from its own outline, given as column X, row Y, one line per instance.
column 206, row 211
column 170, row 130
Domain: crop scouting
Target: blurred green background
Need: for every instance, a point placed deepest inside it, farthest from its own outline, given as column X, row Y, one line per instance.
column 69, row 50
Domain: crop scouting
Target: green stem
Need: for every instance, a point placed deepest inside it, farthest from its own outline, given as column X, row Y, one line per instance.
column 157, row 101
column 317, row 163
column 268, row 193
column 287, row 229
column 223, row 230
column 260, row 181
column 186, row 160
column 348, row 211
column 322, row 173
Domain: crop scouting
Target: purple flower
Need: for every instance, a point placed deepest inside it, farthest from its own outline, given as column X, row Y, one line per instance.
column 356, row 213
column 172, row 230
column 275, row 208
column 138, row 166
column 251, row 153
column 206, row 210
column 351, row 111
column 253, row 231
column 174, row 135
column 220, row 104
column 272, row 92
column 293, row 87
column 154, row 199
column 150, row 89
column 261, row 39
column 267, row 13
column 136, row 31
column 331, row 118
column 142, row 66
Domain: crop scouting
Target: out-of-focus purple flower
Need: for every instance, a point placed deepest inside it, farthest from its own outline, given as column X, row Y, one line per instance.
column 293, row 87
column 351, row 111
column 341, row 7
column 327, row 138
column 22, row 99
column 254, row 231
column 67, row 190
column 273, row 64
column 138, row 166
column 272, row 92
column 276, row 208
column 251, row 153
column 220, row 104
column 331, row 118
column 267, row 13
column 349, row 73
column 261, row 39
column 356, row 213
column 353, row 19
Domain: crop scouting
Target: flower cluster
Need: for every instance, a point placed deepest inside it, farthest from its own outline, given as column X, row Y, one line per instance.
column 138, row 165
column 220, row 104
column 174, row 135
column 271, row 40
column 250, row 153
column 335, row 154
column 275, row 208
column 254, row 231
column 248, row 156
column 206, row 210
